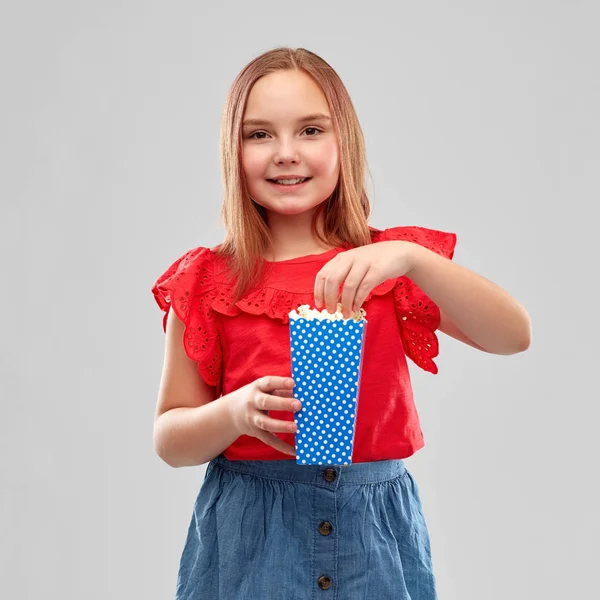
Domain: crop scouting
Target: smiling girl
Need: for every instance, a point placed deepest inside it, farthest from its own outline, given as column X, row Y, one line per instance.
column 296, row 217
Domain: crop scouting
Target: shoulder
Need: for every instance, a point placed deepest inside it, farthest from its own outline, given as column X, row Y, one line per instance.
column 198, row 261
column 441, row 242
column 191, row 272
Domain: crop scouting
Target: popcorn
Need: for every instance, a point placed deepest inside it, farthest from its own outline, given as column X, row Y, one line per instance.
column 326, row 351
column 308, row 313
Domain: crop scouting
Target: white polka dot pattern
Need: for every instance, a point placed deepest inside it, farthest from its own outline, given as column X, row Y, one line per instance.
column 326, row 363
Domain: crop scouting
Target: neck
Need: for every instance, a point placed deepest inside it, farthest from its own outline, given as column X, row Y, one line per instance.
column 292, row 236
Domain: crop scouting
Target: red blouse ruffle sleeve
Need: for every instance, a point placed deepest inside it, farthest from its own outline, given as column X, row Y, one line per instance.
column 188, row 287
column 417, row 315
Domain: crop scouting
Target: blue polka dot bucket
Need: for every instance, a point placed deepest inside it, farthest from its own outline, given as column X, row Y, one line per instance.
column 326, row 365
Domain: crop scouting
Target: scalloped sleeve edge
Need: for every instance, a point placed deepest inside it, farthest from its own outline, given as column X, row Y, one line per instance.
column 187, row 287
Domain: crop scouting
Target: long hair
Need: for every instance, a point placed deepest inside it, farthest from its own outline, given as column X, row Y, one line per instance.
column 347, row 211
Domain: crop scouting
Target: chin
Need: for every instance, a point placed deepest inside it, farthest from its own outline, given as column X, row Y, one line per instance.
column 292, row 209
column 291, row 206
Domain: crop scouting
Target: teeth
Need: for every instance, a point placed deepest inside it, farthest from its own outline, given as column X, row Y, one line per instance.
column 289, row 181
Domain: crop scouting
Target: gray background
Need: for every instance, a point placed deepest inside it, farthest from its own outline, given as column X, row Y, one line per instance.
column 480, row 118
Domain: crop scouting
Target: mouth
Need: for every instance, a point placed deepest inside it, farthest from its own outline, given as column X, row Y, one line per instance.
column 289, row 184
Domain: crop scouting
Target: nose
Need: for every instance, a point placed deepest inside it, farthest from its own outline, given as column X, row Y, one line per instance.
column 286, row 152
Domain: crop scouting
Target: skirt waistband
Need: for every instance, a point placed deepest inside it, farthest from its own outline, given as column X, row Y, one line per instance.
column 325, row 475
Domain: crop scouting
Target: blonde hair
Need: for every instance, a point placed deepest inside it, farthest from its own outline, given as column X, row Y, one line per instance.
column 348, row 208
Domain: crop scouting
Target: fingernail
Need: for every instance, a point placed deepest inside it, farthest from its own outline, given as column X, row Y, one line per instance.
column 296, row 405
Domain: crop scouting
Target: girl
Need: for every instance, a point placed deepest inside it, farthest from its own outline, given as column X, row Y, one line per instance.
column 296, row 219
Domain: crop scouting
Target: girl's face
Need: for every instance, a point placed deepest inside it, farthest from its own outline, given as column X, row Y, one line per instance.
column 287, row 133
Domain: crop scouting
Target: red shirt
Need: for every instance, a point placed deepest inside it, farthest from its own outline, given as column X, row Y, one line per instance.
column 237, row 343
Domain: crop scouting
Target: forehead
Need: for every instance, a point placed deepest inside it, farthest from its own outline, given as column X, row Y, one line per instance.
column 285, row 95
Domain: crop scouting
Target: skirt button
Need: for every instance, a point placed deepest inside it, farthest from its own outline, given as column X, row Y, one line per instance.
column 329, row 474
column 325, row 528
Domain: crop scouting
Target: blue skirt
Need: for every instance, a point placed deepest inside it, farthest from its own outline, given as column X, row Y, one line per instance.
column 275, row 530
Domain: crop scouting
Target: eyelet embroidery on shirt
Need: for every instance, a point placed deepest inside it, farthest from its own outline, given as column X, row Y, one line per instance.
column 439, row 242
column 418, row 320
column 223, row 298
column 418, row 316
column 283, row 303
column 201, row 334
column 186, row 287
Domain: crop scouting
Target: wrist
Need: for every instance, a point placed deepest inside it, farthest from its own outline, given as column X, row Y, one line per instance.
column 417, row 256
column 231, row 404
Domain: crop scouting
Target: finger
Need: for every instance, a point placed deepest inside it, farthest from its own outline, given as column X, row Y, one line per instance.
column 263, row 401
column 351, row 285
column 365, row 287
column 262, row 421
column 322, row 280
column 319, row 286
column 273, row 382
column 331, row 291
column 332, row 286
column 283, row 393
column 272, row 440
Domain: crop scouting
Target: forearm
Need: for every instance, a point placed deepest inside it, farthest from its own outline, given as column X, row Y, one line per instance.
column 185, row 437
column 482, row 310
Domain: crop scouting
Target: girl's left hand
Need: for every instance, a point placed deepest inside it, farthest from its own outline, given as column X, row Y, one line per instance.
column 360, row 270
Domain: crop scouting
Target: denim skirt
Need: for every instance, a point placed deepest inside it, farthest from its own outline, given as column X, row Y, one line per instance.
column 275, row 530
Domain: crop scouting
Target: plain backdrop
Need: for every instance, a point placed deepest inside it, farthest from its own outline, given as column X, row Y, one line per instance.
column 480, row 117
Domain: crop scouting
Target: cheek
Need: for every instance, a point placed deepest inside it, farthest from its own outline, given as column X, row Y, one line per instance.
column 325, row 161
column 253, row 164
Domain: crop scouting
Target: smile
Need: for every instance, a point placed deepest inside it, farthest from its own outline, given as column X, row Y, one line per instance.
column 289, row 184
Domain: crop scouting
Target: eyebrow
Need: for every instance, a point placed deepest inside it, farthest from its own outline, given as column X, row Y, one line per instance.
column 313, row 117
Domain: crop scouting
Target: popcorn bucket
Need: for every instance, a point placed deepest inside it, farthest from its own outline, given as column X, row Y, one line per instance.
column 326, row 355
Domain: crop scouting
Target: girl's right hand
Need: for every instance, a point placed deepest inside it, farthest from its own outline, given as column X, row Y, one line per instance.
column 249, row 408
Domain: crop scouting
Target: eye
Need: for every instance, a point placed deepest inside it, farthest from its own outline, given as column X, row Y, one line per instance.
column 314, row 129
column 251, row 136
